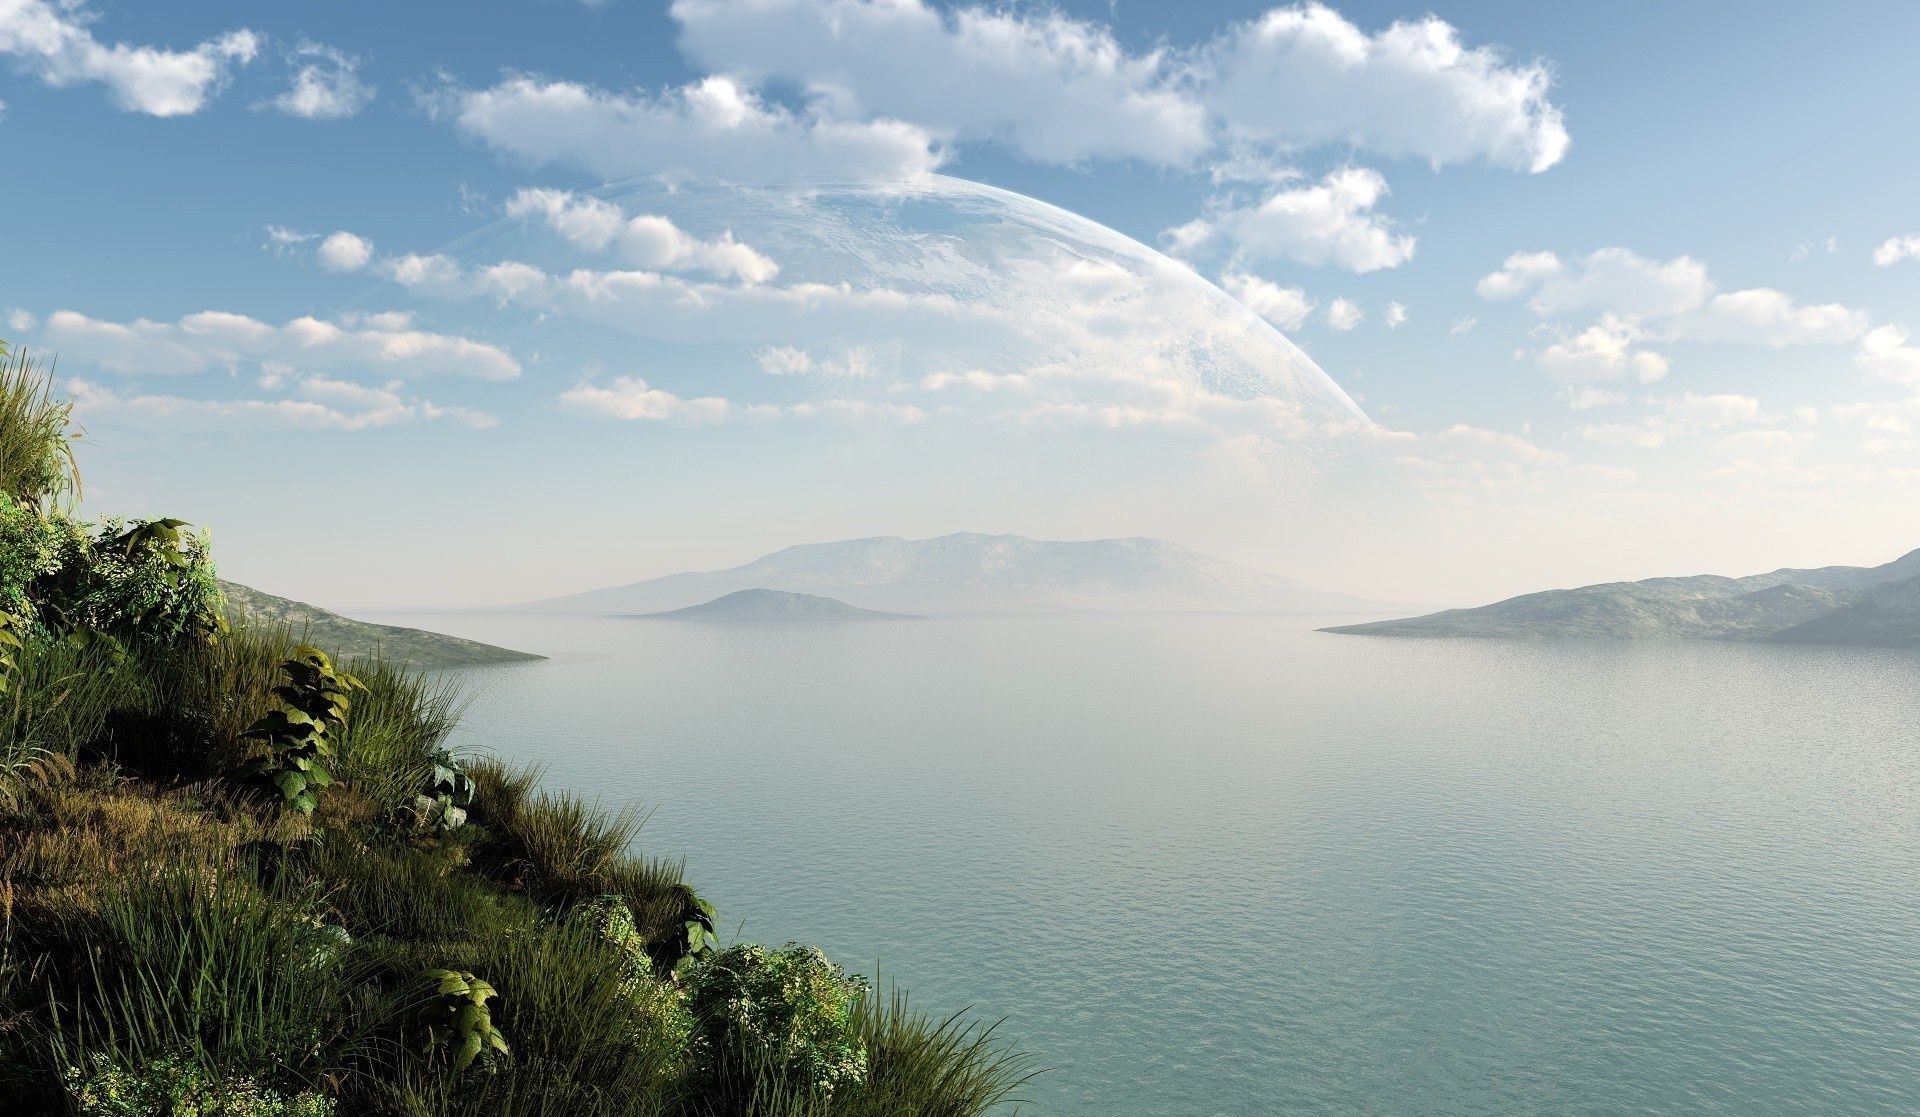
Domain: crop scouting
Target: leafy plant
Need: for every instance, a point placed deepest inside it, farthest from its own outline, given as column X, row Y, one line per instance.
column 9, row 646
column 791, row 1008
column 296, row 738
column 457, row 1017
column 443, row 804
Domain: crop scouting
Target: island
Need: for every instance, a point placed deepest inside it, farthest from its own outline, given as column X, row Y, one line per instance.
column 774, row 605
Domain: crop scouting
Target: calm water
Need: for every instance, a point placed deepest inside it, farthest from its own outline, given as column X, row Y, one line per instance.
column 1227, row 866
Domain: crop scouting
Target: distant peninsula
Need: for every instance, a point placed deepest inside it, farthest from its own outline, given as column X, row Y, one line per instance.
column 774, row 605
column 1877, row 606
column 412, row 647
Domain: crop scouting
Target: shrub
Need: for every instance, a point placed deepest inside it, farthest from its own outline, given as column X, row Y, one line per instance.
column 297, row 739
column 789, row 1007
column 178, row 1086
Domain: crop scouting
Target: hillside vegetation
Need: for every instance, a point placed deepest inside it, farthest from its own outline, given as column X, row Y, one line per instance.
column 238, row 878
column 412, row 647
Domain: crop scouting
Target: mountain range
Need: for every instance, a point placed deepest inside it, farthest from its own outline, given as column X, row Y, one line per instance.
column 344, row 636
column 971, row 573
column 1855, row 605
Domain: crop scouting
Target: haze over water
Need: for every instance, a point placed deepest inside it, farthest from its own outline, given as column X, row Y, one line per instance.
column 1229, row 866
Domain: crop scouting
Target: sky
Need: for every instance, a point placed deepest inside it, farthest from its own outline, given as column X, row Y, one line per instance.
column 434, row 305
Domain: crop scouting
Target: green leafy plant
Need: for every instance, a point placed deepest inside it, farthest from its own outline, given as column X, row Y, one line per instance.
column 442, row 805
column 9, row 646
column 697, row 938
column 790, row 1008
column 296, row 738
column 457, row 1018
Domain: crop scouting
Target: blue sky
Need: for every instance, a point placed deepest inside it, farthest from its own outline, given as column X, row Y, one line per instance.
column 1653, row 296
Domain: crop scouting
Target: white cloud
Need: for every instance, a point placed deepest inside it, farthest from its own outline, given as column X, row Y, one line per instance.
column 1062, row 90
column 1396, row 316
column 1895, row 249
column 317, row 403
column 217, row 339
column 1606, row 350
column 1462, row 326
column 1343, row 315
column 1678, row 417
column 1285, row 307
column 344, row 251
column 1615, row 280
column 629, row 397
column 1885, row 353
column 649, row 240
column 20, row 319
column 1053, row 88
column 1805, row 248
column 54, row 41
column 1586, row 397
column 326, row 86
column 710, row 129
column 856, row 362
column 1306, row 75
column 1712, row 412
column 1764, row 316
column 977, row 379
column 1330, row 222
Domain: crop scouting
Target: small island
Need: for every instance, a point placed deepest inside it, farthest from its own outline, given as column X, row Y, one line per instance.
column 774, row 605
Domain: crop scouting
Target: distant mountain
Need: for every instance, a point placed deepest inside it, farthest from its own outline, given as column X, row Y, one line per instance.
column 1877, row 605
column 344, row 636
column 969, row 573
column 774, row 605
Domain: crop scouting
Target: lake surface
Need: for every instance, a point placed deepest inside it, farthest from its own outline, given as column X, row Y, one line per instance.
column 1228, row 866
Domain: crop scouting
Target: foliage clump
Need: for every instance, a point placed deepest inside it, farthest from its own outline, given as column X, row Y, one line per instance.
column 178, row 1086
column 791, row 1007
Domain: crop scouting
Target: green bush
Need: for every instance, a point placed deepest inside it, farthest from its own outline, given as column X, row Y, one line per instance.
column 178, row 1086
column 789, row 1007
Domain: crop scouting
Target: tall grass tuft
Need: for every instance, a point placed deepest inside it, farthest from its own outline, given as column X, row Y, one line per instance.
column 36, row 435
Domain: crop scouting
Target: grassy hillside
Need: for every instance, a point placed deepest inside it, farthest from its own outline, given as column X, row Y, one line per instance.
column 413, row 647
column 238, row 879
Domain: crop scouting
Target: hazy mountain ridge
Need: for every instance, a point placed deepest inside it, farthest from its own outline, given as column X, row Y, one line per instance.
column 973, row 573
column 1877, row 605
column 774, row 605
column 344, row 636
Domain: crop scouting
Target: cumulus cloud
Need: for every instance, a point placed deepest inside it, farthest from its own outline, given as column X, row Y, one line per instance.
column 1285, row 307
column 648, row 240
column 1343, row 315
column 55, row 42
column 1396, row 316
column 1062, row 90
column 630, row 397
column 1052, row 88
column 385, row 343
column 1885, row 353
column 326, row 85
column 1606, row 350
column 1895, row 249
column 344, row 251
column 714, row 128
column 315, row 403
column 1616, row 280
column 1764, row 316
column 1329, row 222
column 1308, row 76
